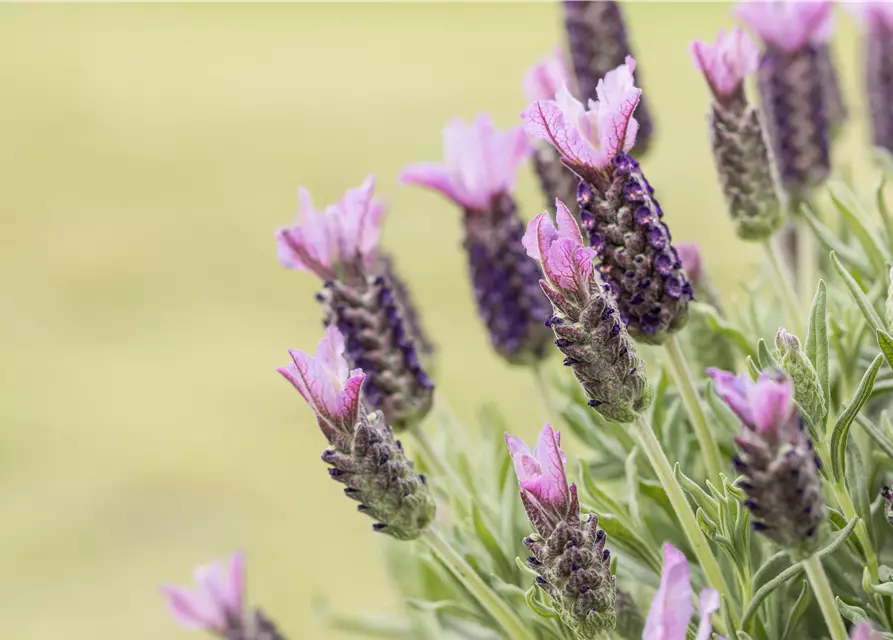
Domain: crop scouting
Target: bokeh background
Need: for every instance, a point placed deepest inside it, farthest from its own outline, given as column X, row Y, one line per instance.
column 147, row 152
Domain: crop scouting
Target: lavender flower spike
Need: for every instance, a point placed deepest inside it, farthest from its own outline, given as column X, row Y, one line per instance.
column 364, row 455
column 568, row 554
column 792, row 79
column 478, row 174
column 542, row 82
column 877, row 21
column 736, row 132
column 779, row 469
column 598, row 43
column 672, row 608
column 340, row 245
column 217, row 604
column 586, row 321
column 617, row 205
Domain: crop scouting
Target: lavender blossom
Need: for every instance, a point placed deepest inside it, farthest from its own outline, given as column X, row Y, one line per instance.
column 877, row 22
column 568, row 554
column 793, row 79
column 736, row 132
column 617, row 205
column 364, row 455
column 478, row 174
column 406, row 305
column 340, row 245
column 542, row 82
column 586, row 321
column 779, row 469
column 598, row 43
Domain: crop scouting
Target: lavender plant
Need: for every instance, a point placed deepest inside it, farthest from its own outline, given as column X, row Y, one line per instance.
column 730, row 447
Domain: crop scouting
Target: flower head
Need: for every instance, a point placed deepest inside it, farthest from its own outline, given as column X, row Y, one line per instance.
column 672, row 608
column 727, row 62
column 567, row 264
column 544, row 79
column 327, row 383
column 787, row 25
column 216, row 604
column 765, row 406
column 345, row 233
column 863, row 631
column 589, row 139
column 479, row 163
column 873, row 15
column 541, row 474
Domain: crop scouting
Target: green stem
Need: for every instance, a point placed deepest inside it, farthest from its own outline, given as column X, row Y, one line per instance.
column 692, row 402
column 696, row 538
column 807, row 262
column 784, row 286
column 822, row 590
column 499, row 610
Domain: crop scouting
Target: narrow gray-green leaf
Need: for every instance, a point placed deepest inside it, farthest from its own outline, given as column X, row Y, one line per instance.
column 832, row 243
column 503, row 565
column 722, row 326
column 857, row 485
column 701, row 497
column 854, row 215
column 538, row 607
column 796, row 612
column 841, row 429
column 885, row 342
column 817, row 346
column 851, row 612
column 868, row 310
column 764, row 356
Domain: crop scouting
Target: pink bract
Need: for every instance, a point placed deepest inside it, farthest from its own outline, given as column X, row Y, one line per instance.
column 541, row 473
column 726, row 62
column 765, row 406
column 788, row 25
column 217, row 599
column 544, row 79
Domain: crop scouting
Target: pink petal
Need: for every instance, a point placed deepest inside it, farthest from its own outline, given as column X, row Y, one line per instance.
column 567, row 224
column 551, row 487
column 735, row 392
column 726, row 63
column 521, row 458
column 191, row 609
column 546, row 235
column 431, row 175
column 530, row 241
column 771, row 404
column 872, row 15
column 559, row 265
column 235, row 594
column 544, row 120
column 671, row 609
column 690, row 256
column 330, row 353
column 545, row 78
column 787, row 26
column 863, row 631
column 618, row 98
column 348, row 400
column 313, row 381
column 708, row 604
column 583, row 257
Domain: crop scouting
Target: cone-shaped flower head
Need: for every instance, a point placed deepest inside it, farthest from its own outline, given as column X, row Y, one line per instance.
column 598, row 43
column 568, row 554
column 805, row 379
column 780, row 471
column 543, row 81
column 216, row 603
column 863, row 631
column 340, row 245
column 877, row 21
column 617, row 205
column 478, row 174
column 407, row 307
column 343, row 238
column 585, row 320
column 672, row 608
column 887, row 496
column 736, row 135
column 795, row 77
column 364, row 455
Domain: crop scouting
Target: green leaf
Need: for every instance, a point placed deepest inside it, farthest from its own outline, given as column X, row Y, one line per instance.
column 538, row 607
column 503, row 565
column 857, row 485
column 883, row 589
column 701, row 497
column 753, row 368
column 796, row 612
column 877, row 434
column 764, row 356
column 655, row 491
column 772, row 566
column 791, row 572
column 630, row 542
column 817, row 346
column 720, row 325
column 632, row 484
column 852, row 613
column 832, row 243
column 855, row 216
column 604, row 503
column 885, row 342
column 707, row 525
column 871, row 316
column 841, row 429
column 882, row 208
column 721, row 411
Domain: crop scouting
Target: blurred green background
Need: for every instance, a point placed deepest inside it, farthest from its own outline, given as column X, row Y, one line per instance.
column 147, row 152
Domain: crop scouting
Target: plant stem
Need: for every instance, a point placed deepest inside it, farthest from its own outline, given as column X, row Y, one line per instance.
column 822, row 590
column 430, row 454
column 692, row 401
column 491, row 602
column 807, row 262
column 696, row 538
column 539, row 381
column 784, row 285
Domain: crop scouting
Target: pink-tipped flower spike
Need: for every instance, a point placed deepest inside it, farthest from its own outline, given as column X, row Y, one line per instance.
column 478, row 174
column 739, row 145
column 617, row 205
column 340, row 245
column 779, row 469
column 864, row 631
column 543, row 82
column 568, row 554
column 795, row 80
column 598, row 43
column 586, row 322
column 672, row 608
column 364, row 455
column 217, row 602
column 876, row 19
